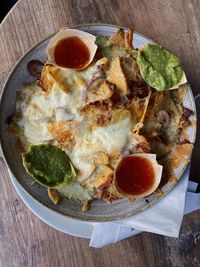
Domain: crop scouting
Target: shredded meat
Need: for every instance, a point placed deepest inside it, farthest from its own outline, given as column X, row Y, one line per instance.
column 138, row 89
column 100, row 106
column 163, row 118
column 163, row 156
column 187, row 112
column 103, row 120
column 184, row 141
column 119, row 100
column 137, row 72
column 184, row 121
column 143, row 147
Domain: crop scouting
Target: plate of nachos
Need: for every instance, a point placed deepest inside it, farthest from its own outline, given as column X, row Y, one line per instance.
column 98, row 122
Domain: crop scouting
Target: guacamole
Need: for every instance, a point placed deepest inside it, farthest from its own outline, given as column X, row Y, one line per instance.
column 76, row 192
column 160, row 68
column 48, row 165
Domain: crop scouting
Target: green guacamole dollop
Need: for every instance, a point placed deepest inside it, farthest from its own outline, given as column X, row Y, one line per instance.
column 48, row 165
column 160, row 68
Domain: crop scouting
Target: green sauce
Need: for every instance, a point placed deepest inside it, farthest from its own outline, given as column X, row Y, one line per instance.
column 75, row 192
column 160, row 68
column 48, row 165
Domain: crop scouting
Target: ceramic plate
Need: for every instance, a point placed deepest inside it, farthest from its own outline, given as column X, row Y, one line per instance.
column 58, row 221
column 99, row 211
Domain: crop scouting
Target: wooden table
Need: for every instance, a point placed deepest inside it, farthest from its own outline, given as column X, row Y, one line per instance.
column 24, row 239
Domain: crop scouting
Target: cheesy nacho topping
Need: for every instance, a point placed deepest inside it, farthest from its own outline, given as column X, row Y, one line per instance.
column 99, row 114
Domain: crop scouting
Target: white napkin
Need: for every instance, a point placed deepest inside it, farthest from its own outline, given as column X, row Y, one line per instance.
column 163, row 218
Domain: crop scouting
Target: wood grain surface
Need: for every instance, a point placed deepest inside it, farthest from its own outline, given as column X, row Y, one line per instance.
column 24, row 239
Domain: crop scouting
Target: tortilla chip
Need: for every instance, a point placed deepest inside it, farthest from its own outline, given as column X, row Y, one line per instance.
column 139, row 144
column 168, row 102
column 138, row 108
column 104, row 92
column 94, row 110
column 101, row 158
column 184, row 149
column 102, row 61
column 47, row 81
column 179, row 155
column 117, row 77
column 184, row 135
column 172, row 177
column 129, row 39
column 51, row 75
column 118, row 38
column 54, row 195
column 181, row 92
column 114, row 158
column 62, row 133
column 101, row 177
column 86, row 206
column 130, row 69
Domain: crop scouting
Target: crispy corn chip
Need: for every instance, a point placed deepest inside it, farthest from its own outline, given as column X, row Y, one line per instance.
column 46, row 81
column 117, row 77
column 129, row 38
column 181, row 92
column 51, row 75
column 101, row 158
column 168, row 102
column 184, row 149
column 122, row 39
column 86, row 206
column 54, row 195
column 138, row 108
column 130, row 69
column 103, row 92
column 101, row 177
column 62, row 133
column 178, row 156
column 118, row 38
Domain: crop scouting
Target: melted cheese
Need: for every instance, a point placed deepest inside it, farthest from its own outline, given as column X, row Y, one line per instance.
column 75, row 81
column 82, row 160
column 63, row 114
column 36, row 133
column 110, row 139
column 69, row 101
column 37, row 109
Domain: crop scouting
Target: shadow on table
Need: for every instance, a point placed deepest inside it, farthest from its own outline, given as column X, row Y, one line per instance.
column 5, row 6
column 195, row 169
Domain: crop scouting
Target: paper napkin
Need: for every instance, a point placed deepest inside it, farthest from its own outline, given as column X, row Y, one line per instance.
column 163, row 218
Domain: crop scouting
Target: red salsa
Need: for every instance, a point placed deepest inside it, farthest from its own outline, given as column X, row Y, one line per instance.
column 71, row 53
column 134, row 175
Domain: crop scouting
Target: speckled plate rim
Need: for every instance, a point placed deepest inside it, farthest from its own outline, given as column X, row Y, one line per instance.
column 170, row 186
column 58, row 221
